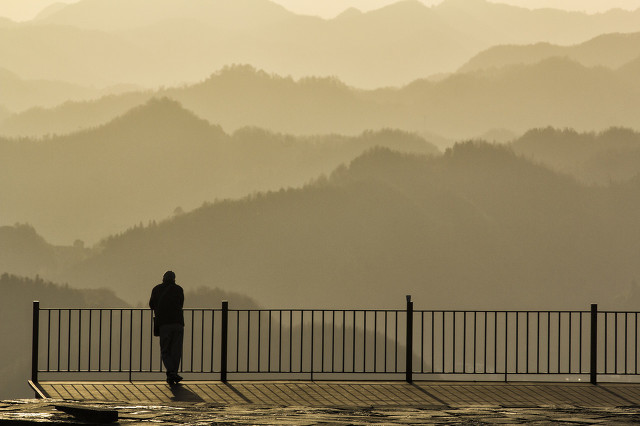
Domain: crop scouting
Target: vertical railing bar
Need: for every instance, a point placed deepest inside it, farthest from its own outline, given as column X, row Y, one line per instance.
column 224, row 340
column 422, row 342
column 59, row 338
column 120, row 344
column 291, row 341
column 248, row 340
column 35, row 342
column 259, row 336
column 100, row 342
column 409, row 341
column 517, row 340
column 150, row 340
column 69, row 341
column 353, row 344
column 433, row 361
column 396, row 345
column 313, row 315
column 444, row 340
column 385, row 341
column 636, row 341
column 89, row 350
column 193, row 326
column 110, row 336
column 48, row 337
column 453, row 313
column 570, row 339
column 593, row 345
column 280, row 341
column 364, row 341
column 333, row 339
column 606, row 342
column 484, row 363
column 343, row 338
column 580, row 343
column 615, row 344
column 322, row 344
column 559, row 339
column 269, row 343
column 301, row 338
column 141, row 339
column 527, row 345
column 495, row 342
column 131, row 341
column 213, row 334
column 201, row 340
column 375, row 341
column 475, row 338
column 237, row 340
column 538, row 342
column 464, row 342
column 626, row 335
column 79, row 338
column 548, row 342
column 506, row 345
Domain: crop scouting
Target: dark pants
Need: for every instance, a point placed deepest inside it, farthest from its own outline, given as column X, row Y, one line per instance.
column 171, row 347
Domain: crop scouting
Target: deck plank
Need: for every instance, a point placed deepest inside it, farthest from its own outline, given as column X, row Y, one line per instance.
column 321, row 394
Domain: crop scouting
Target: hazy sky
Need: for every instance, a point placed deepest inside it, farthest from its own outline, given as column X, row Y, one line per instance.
column 25, row 9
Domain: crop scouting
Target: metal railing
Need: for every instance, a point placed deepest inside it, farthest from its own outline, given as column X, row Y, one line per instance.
column 337, row 343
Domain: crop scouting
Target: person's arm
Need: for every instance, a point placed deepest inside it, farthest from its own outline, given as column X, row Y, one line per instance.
column 152, row 300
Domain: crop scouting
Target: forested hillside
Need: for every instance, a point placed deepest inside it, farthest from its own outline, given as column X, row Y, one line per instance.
column 477, row 227
column 154, row 159
column 600, row 158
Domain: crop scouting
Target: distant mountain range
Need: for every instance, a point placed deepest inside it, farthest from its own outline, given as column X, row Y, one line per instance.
column 608, row 50
column 477, row 227
column 159, row 156
column 149, row 42
column 555, row 92
column 594, row 158
column 19, row 94
column 388, row 223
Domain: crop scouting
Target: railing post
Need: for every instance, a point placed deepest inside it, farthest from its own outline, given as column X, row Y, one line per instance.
column 35, row 336
column 409, row 340
column 594, row 344
column 223, row 341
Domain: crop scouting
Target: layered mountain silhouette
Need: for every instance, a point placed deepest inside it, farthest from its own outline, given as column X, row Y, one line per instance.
column 157, row 157
column 477, row 227
column 19, row 94
column 595, row 158
column 608, row 50
column 555, row 92
column 166, row 41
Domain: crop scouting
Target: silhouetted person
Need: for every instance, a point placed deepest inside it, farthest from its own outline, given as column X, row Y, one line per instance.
column 166, row 301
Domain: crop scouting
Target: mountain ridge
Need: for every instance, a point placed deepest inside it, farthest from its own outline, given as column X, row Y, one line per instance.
column 419, row 40
column 556, row 92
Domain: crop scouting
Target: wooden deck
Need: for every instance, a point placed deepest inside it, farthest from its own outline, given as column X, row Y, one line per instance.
column 351, row 394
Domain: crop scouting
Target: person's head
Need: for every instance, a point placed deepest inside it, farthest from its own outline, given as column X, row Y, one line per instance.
column 169, row 277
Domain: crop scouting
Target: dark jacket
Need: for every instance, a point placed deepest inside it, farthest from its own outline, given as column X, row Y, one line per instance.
column 166, row 301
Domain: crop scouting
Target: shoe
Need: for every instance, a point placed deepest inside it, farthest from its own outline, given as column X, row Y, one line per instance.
column 171, row 381
column 177, row 379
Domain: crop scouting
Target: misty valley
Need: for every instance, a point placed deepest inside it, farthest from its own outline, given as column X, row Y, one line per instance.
column 475, row 155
